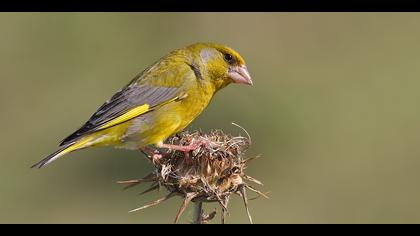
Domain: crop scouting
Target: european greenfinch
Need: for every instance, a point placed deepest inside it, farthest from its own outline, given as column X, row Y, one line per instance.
column 160, row 101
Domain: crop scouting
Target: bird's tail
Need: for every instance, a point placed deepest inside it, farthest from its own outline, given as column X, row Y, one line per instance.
column 62, row 151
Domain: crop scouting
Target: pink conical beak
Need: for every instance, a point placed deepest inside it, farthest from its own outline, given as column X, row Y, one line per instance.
column 240, row 75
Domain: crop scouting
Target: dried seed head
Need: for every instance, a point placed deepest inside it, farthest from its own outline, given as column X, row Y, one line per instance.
column 210, row 173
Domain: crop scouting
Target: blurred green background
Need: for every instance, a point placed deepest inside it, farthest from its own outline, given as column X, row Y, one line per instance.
column 334, row 111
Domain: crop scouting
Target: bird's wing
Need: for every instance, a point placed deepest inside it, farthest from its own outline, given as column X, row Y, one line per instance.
column 130, row 102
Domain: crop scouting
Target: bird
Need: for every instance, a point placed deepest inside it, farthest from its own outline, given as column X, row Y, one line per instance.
column 160, row 101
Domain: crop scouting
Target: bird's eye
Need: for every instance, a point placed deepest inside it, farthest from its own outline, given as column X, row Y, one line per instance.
column 228, row 58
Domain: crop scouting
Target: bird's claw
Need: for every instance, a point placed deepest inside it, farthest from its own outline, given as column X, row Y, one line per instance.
column 156, row 156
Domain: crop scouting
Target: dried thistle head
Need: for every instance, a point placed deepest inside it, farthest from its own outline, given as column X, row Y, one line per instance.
column 211, row 173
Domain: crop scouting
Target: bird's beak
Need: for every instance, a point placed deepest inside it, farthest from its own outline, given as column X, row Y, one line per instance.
column 240, row 75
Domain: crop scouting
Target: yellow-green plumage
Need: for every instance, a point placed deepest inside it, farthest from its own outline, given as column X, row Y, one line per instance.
column 161, row 101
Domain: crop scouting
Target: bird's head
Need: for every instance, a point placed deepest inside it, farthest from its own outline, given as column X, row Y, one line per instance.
column 222, row 64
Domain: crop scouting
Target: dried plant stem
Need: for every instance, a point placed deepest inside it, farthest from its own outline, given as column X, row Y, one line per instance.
column 224, row 211
column 242, row 193
column 187, row 200
column 198, row 213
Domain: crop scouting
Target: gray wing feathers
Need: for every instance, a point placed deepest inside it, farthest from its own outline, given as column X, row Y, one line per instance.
column 129, row 97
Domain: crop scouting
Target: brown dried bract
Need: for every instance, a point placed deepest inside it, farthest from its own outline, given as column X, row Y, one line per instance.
column 210, row 173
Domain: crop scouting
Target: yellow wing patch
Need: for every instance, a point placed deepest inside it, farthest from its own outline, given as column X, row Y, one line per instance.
column 127, row 116
column 135, row 112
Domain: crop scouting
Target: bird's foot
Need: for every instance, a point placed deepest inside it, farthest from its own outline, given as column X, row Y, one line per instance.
column 188, row 159
column 153, row 154
column 156, row 156
column 185, row 149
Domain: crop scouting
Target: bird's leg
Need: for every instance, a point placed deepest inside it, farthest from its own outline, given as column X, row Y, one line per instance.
column 185, row 149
